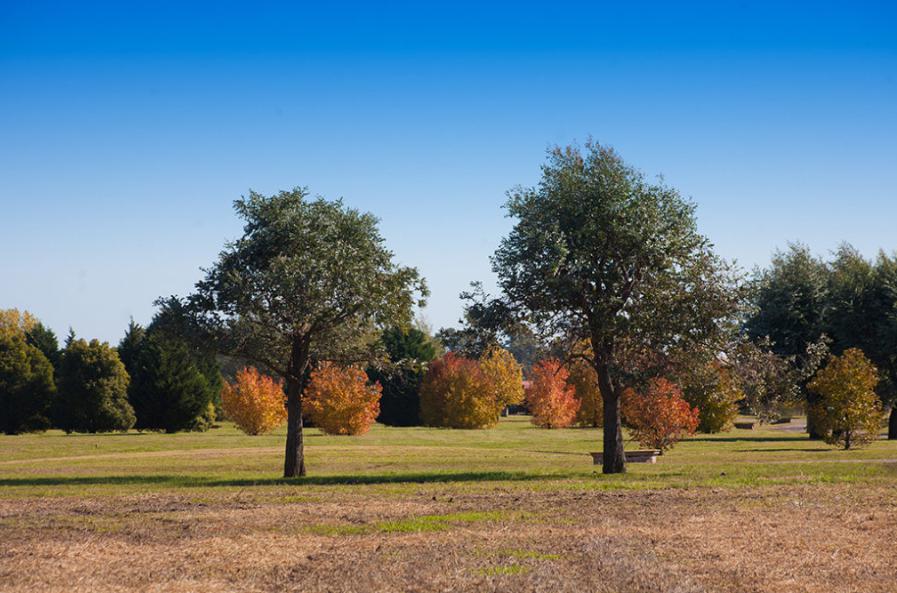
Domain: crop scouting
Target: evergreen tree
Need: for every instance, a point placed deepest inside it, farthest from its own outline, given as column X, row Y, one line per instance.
column 44, row 339
column 93, row 389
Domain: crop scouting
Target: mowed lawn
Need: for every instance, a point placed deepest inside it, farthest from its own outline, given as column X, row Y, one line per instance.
column 513, row 508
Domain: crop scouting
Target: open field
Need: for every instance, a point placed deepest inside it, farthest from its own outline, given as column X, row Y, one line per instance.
column 509, row 509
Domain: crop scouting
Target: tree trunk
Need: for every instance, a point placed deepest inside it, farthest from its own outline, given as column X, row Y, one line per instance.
column 812, row 431
column 614, row 458
column 294, row 456
column 892, row 423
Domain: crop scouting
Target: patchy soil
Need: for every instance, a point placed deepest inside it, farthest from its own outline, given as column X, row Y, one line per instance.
column 795, row 539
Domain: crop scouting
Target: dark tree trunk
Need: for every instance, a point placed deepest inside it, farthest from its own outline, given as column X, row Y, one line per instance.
column 892, row 423
column 812, row 431
column 614, row 458
column 294, row 456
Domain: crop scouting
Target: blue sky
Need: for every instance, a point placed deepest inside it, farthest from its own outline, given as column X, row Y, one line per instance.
column 127, row 129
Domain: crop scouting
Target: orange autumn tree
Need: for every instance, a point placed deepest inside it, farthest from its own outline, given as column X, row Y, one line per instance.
column 660, row 416
column 255, row 402
column 456, row 393
column 340, row 400
column 552, row 400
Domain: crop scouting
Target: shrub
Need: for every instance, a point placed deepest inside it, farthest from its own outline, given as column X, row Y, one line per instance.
column 660, row 417
column 254, row 402
column 715, row 392
column 551, row 399
column 339, row 400
column 584, row 381
column 848, row 412
column 26, row 385
column 505, row 377
column 456, row 393
column 93, row 389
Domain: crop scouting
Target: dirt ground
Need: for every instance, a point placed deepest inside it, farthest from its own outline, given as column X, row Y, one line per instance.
column 794, row 539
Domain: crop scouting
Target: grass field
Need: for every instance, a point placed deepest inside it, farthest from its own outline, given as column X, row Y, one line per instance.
column 514, row 508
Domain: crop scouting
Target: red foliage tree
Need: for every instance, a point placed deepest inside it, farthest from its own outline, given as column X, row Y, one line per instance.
column 551, row 399
column 659, row 417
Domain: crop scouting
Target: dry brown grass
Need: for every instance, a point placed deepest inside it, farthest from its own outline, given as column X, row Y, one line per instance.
column 794, row 539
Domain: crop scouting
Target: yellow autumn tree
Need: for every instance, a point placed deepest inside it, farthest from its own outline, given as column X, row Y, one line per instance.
column 340, row 400
column 504, row 376
column 849, row 412
column 13, row 321
column 254, row 402
column 584, row 381
column 455, row 393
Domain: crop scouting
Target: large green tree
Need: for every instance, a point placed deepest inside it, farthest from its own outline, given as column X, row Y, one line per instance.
column 599, row 253
column 26, row 385
column 93, row 389
column 309, row 280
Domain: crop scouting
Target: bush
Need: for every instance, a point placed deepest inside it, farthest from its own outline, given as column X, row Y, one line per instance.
column 584, row 381
column 715, row 392
column 93, row 389
column 255, row 402
column 456, row 393
column 848, row 412
column 660, row 417
column 26, row 385
column 339, row 400
column 504, row 376
column 551, row 399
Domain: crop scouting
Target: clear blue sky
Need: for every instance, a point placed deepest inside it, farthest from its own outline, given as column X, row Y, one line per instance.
column 126, row 133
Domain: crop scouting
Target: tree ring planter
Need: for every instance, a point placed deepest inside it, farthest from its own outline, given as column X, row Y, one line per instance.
column 745, row 425
column 639, row 456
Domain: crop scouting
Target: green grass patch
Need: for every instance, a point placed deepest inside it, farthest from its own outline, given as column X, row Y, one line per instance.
column 423, row 523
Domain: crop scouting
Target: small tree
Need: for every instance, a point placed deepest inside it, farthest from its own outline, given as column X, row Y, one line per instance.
column 715, row 391
column 584, row 381
column 551, row 399
column 504, row 377
column 255, row 402
column 26, row 385
column 848, row 412
column 456, row 393
column 93, row 389
column 659, row 417
column 341, row 401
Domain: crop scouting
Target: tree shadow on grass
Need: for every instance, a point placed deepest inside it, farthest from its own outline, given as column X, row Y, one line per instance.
column 744, row 439
column 786, row 450
column 187, row 481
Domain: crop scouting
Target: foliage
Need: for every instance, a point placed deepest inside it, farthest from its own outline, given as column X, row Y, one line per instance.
column 716, row 392
column 254, row 402
column 584, row 381
column 26, row 385
column 456, row 393
column 309, row 281
column 400, row 396
column 44, row 339
column 660, row 416
column 93, row 389
column 504, row 377
column 599, row 253
column 341, row 401
column 551, row 399
column 848, row 412
column 13, row 321
column 409, row 344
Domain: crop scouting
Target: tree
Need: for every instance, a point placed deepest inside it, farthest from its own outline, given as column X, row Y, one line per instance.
column 26, row 385
column 408, row 350
column 93, row 389
column 341, row 401
column 551, row 399
column 309, row 281
column 659, row 417
column 770, row 382
column 44, row 339
column 584, row 381
column 713, row 388
column 254, row 402
column 456, row 393
column 504, row 377
column 600, row 254
column 848, row 412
